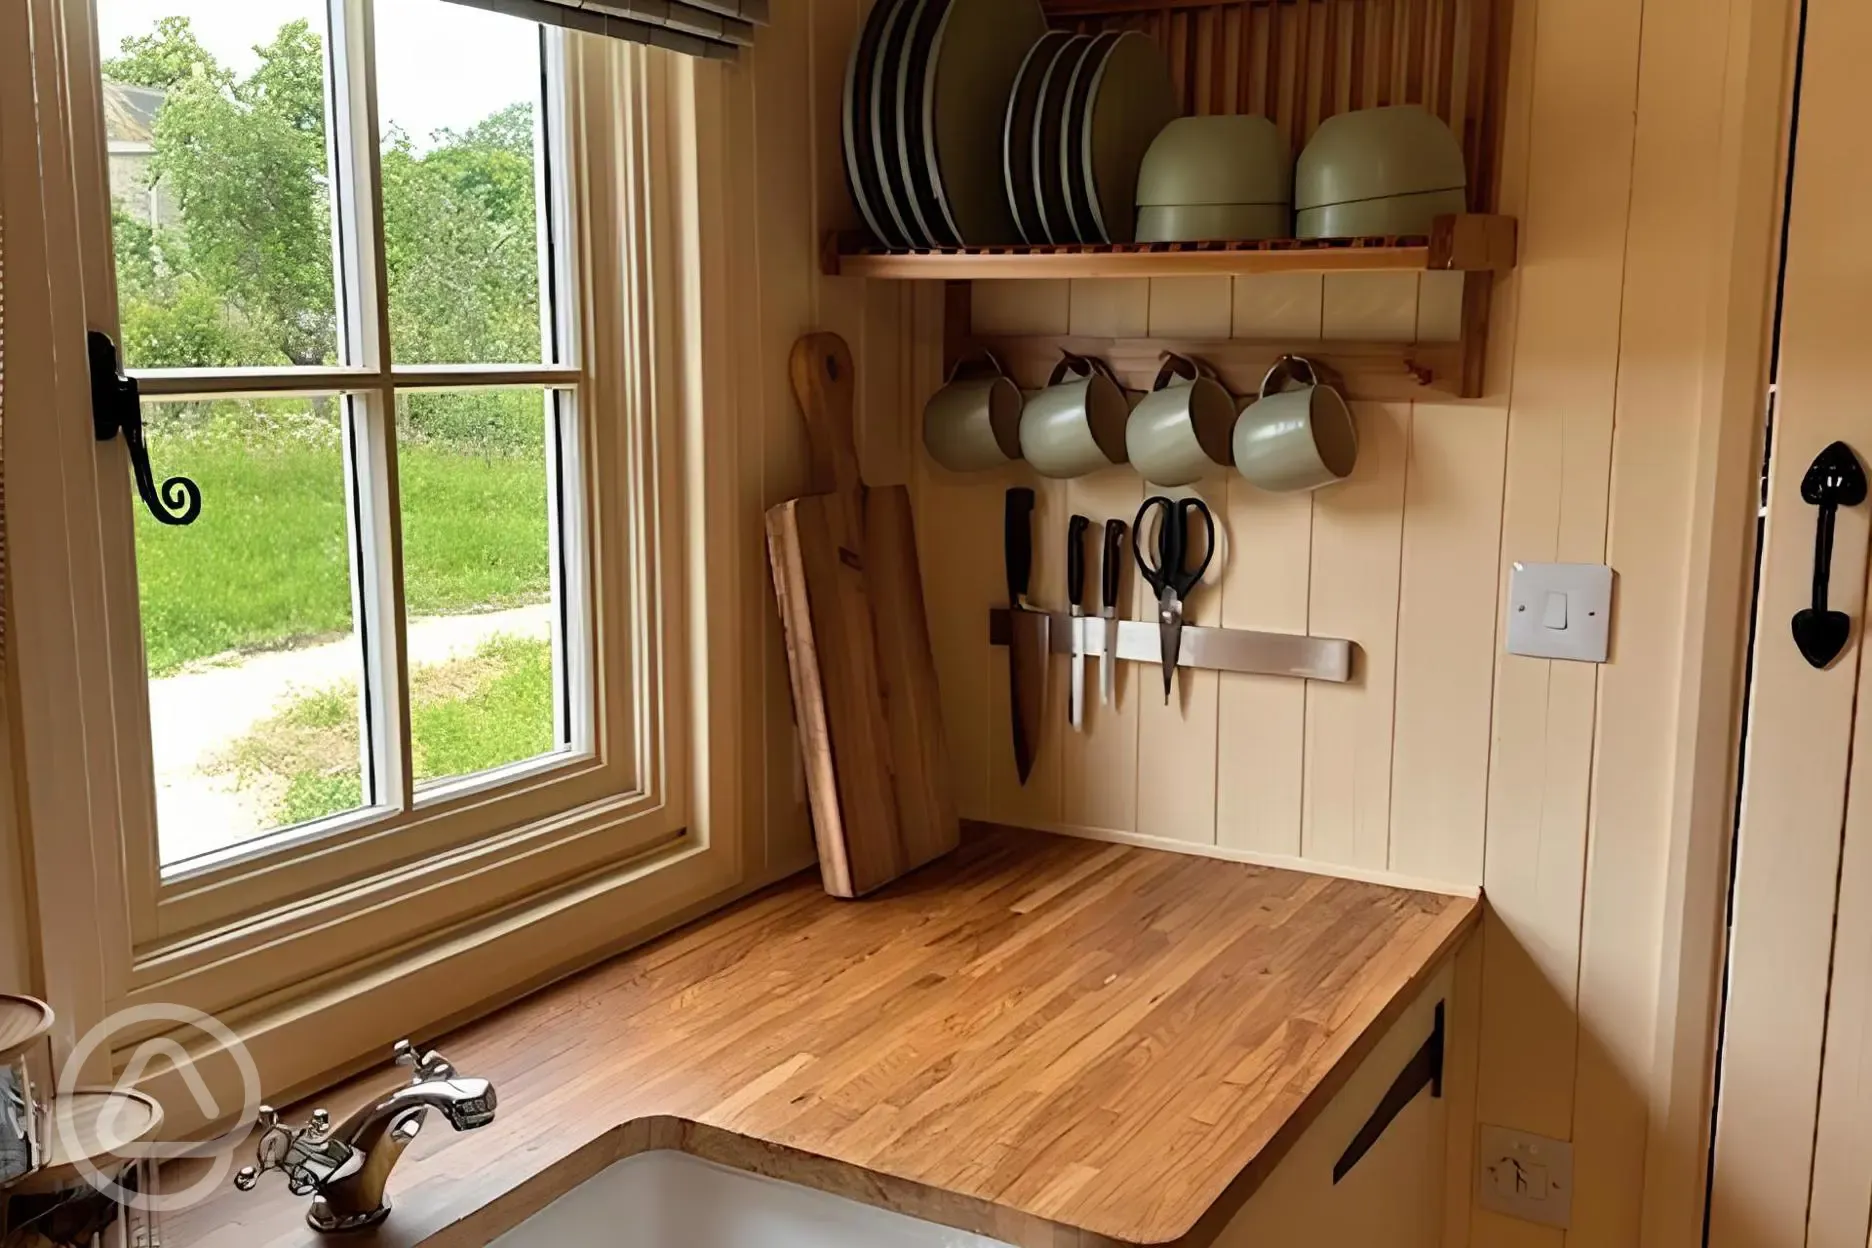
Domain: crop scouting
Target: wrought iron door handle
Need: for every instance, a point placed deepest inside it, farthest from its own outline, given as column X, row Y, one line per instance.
column 1834, row 480
column 117, row 407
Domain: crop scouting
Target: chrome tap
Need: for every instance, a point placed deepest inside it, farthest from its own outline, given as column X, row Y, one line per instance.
column 347, row 1168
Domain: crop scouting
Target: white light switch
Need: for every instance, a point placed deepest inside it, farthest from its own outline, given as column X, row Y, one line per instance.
column 1560, row 611
column 1555, row 616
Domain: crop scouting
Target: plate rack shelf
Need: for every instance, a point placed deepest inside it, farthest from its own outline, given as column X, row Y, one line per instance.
column 1296, row 62
column 1470, row 243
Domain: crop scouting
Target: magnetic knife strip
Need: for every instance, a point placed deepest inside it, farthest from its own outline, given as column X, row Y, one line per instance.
column 1212, row 649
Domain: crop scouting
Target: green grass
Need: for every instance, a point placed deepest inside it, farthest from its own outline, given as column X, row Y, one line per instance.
column 466, row 715
column 267, row 564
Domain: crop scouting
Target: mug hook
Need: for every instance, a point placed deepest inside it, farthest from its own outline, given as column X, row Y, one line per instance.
column 970, row 358
column 1288, row 367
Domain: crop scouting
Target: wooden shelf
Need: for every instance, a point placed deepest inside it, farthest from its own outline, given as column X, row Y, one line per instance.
column 1469, row 243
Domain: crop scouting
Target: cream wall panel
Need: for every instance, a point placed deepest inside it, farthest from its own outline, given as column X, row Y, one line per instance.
column 1110, row 308
column 1439, row 307
column 1177, row 740
column 787, row 287
column 1042, row 307
column 1099, row 767
column 1279, row 306
column 1357, row 527
column 1371, row 307
column 1261, row 720
column 1579, row 151
column 1753, row 56
column 1668, row 306
column 768, row 841
column 1191, row 307
column 788, row 193
column 1446, row 640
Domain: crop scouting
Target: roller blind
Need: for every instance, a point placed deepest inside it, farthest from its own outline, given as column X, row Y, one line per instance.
column 711, row 28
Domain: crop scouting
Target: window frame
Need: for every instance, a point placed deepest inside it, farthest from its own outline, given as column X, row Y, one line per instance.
column 301, row 919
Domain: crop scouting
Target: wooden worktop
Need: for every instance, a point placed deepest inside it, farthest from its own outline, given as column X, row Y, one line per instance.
column 1045, row 1040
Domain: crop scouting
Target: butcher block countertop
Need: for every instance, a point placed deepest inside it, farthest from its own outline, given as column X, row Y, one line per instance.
column 1045, row 1040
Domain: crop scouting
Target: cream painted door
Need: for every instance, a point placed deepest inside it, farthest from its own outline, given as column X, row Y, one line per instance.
column 1793, row 1131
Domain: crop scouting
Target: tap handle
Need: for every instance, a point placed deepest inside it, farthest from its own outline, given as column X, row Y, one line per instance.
column 428, row 1065
column 307, row 1156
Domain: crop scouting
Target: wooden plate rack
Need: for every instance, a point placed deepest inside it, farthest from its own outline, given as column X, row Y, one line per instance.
column 1297, row 62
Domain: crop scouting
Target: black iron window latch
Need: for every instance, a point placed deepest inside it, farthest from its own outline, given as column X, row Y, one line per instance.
column 117, row 407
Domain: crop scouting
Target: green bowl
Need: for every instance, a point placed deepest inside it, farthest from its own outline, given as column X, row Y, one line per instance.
column 1376, row 218
column 1215, row 178
column 1380, row 154
column 1195, row 223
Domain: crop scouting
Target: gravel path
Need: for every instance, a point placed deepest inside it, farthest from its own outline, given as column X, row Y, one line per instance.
column 195, row 715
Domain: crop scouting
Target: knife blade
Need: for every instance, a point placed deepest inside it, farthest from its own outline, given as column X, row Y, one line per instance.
column 1075, row 605
column 1111, row 566
column 1029, row 636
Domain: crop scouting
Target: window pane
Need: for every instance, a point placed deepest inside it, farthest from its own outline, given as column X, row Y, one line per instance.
column 477, row 573
column 254, row 659
column 214, row 119
column 458, row 95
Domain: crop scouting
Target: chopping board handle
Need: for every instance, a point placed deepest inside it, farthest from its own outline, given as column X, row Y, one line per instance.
column 823, row 383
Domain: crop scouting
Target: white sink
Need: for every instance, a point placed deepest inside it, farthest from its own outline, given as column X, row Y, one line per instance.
column 668, row 1199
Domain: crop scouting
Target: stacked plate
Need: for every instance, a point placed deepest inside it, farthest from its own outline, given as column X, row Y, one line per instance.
column 1083, row 111
column 926, row 96
column 969, row 124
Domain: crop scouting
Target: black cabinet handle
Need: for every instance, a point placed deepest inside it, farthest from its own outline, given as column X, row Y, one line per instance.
column 116, row 408
column 1834, row 480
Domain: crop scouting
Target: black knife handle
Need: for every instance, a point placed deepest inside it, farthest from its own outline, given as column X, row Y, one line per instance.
column 1075, row 559
column 1017, row 542
column 1112, row 563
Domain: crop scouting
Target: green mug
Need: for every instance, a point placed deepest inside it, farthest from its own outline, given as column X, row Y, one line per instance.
column 1295, row 439
column 973, row 422
column 1179, row 432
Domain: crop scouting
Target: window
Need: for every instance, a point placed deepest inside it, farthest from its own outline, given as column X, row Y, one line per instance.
column 300, row 672
column 405, row 300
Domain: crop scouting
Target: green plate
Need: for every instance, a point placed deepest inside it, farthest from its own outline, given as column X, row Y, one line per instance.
column 1049, row 190
column 1129, row 101
column 1080, row 226
column 861, row 168
column 974, row 58
column 1017, row 134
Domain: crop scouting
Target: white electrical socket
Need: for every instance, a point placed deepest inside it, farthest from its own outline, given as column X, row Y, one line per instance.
column 1525, row 1175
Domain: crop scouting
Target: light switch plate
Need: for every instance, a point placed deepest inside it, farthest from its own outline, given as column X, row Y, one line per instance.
column 1560, row 611
column 1525, row 1176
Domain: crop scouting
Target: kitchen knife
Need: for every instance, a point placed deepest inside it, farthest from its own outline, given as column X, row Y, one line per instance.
column 1075, row 605
column 1029, row 641
column 1111, row 565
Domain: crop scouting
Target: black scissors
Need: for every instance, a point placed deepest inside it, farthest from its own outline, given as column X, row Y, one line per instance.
column 1170, row 576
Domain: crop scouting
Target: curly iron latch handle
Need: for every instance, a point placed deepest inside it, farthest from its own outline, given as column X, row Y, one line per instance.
column 116, row 408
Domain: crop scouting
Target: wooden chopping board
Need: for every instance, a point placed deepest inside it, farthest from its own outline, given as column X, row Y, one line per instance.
column 864, row 682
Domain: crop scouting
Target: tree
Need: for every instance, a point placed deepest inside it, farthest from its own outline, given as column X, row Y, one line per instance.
column 247, row 278
column 165, row 58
